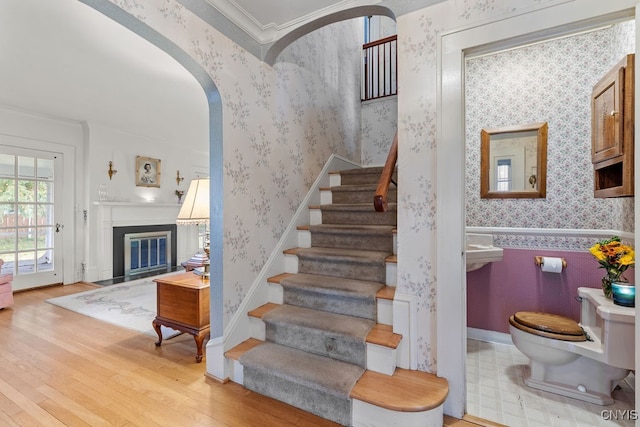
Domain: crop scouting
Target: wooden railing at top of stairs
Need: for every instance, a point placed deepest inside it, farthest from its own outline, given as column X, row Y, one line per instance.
column 386, row 177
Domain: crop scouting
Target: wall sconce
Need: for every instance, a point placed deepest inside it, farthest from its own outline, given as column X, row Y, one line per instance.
column 179, row 178
column 111, row 170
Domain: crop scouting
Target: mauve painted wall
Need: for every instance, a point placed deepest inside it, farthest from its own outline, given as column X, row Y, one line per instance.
column 499, row 289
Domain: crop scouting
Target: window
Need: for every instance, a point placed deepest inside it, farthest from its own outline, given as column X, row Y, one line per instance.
column 503, row 175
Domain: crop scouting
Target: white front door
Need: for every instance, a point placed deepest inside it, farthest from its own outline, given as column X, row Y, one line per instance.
column 30, row 208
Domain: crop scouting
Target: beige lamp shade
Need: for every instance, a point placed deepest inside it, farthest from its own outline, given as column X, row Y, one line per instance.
column 195, row 209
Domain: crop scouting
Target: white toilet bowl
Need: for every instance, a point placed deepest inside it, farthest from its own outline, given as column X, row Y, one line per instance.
column 565, row 361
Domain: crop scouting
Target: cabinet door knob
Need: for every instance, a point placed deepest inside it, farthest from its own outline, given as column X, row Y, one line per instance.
column 613, row 113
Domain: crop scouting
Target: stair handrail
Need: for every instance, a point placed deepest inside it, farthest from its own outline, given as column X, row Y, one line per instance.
column 386, row 177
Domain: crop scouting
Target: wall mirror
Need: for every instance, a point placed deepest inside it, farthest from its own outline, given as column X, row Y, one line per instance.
column 513, row 162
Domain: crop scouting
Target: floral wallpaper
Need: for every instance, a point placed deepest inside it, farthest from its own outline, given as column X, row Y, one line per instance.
column 280, row 125
column 548, row 82
column 379, row 125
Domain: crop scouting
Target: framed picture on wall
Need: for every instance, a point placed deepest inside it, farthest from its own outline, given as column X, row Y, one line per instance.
column 147, row 172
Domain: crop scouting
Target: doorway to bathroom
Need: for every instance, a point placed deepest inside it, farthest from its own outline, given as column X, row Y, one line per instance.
column 548, row 72
column 529, row 29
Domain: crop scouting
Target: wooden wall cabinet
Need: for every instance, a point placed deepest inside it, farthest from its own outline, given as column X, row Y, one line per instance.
column 612, row 127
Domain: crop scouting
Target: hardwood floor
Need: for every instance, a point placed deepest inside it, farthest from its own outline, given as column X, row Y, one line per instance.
column 60, row 368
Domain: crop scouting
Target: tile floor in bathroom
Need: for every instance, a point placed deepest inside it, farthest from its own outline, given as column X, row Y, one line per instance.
column 496, row 392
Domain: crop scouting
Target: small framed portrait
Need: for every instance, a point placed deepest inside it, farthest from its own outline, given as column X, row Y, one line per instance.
column 147, row 172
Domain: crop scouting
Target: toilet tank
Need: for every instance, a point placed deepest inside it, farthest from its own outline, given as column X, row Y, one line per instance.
column 612, row 325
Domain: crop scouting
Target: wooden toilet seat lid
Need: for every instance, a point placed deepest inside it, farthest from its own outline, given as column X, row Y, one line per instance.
column 548, row 325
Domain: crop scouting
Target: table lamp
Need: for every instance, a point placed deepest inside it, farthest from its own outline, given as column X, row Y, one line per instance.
column 195, row 210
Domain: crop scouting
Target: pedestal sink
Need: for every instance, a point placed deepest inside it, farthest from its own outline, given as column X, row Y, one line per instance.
column 480, row 251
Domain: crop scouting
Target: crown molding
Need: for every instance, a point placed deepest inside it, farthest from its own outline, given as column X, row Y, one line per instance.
column 265, row 33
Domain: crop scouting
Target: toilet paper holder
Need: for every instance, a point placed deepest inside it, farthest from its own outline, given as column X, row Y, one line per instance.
column 539, row 261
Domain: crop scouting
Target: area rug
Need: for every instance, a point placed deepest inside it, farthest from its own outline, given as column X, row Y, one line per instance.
column 131, row 305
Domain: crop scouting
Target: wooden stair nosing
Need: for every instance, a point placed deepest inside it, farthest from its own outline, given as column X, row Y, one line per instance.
column 404, row 391
column 278, row 277
column 260, row 311
column 384, row 336
column 387, row 292
column 243, row 347
column 290, row 251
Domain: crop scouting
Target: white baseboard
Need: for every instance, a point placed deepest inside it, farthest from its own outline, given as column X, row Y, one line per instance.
column 489, row 336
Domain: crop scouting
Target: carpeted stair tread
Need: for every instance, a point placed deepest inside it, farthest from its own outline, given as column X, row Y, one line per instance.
column 368, row 175
column 341, row 262
column 332, row 323
column 334, row 294
column 357, row 213
column 354, row 187
column 354, row 207
column 283, row 373
column 333, row 285
column 341, row 254
column 369, row 237
column 359, row 193
column 373, row 230
column 332, row 375
column 377, row 170
column 337, row 336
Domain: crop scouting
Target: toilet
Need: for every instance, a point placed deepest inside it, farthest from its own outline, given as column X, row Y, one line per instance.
column 583, row 360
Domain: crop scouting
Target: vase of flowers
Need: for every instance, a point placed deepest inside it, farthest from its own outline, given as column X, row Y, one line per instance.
column 615, row 258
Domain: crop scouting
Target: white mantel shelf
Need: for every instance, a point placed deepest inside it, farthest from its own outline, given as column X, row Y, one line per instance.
column 137, row 204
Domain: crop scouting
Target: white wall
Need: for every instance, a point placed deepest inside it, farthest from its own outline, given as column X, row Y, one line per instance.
column 105, row 144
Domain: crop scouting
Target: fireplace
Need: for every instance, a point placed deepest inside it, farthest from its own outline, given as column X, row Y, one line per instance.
column 143, row 249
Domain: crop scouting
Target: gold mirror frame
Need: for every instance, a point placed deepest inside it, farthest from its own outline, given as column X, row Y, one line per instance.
column 538, row 180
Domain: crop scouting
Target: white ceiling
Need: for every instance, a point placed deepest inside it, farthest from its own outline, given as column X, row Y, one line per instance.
column 65, row 59
column 280, row 13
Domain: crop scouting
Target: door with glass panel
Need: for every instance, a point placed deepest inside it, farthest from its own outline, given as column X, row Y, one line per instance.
column 30, row 234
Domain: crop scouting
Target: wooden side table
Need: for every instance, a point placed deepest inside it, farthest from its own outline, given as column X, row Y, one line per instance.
column 183, row 305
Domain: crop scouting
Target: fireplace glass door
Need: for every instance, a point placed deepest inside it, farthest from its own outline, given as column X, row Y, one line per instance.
column 29, row 201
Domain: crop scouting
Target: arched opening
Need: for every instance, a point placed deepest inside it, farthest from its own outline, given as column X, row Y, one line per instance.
column 215, row 144
column 292, row 36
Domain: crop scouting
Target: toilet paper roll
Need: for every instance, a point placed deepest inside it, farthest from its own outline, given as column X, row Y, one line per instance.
column 551, row 265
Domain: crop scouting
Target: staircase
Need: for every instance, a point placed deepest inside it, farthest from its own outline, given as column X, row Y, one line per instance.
column 325, row 343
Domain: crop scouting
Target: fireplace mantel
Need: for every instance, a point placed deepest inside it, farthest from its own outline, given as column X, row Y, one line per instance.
column 122, row 214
